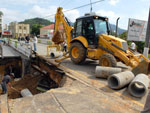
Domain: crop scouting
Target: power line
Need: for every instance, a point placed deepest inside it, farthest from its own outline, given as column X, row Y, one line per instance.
column 77, row 7
column 84, row 5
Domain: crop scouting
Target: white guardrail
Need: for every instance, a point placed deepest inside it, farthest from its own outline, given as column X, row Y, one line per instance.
column 23, row 48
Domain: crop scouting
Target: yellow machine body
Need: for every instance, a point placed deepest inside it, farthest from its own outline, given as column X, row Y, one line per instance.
column 106, row 44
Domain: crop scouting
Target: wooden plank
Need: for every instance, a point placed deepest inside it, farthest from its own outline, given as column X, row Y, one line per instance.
column 4, row 103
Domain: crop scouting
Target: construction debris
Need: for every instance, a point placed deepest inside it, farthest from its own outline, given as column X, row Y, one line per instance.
column 139, row 86
column 105, row 72
column 28, row 81
column 119, row 80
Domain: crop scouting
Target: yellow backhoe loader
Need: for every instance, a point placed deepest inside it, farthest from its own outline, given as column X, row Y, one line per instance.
column 90, row 38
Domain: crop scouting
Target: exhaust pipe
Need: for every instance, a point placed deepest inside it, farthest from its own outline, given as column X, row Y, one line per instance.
column 117, row 26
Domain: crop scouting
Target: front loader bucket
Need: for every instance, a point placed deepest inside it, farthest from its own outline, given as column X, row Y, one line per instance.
column 142, row 67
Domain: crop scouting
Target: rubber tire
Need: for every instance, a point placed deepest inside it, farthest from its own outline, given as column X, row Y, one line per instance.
column 82, row 53
column 111, row 59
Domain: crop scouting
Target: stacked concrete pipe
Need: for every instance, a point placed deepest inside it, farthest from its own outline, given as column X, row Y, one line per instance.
column 56, row 54
column 105, row 72
column 119, row 80
column 139, row 85
column 26, row 93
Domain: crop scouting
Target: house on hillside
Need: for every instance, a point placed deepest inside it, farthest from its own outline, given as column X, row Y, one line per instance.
column 48, row 31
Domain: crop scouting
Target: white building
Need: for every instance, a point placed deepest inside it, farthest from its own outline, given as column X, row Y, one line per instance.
column 19, row 30
column 1, row 14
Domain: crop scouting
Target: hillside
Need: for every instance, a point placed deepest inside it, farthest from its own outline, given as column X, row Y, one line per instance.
column 40, row 21
column 120, row 31
column 44, row 22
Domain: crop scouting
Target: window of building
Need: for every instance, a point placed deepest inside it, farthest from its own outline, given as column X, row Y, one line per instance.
column 24, row 28
column 19, row 27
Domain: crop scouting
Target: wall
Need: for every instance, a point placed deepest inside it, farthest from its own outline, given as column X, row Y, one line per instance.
column 21, row 30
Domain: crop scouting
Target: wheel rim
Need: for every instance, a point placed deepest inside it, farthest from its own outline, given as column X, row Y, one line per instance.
column 75, row 52
column 105, row 62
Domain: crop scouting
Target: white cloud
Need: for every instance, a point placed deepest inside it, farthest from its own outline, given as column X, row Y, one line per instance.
column 36, row 11
column 72, row 15
column 113, row 2
column 143, row 15
column 110, row 14
column 145, row 0
column 22, row 2
column 123, row 21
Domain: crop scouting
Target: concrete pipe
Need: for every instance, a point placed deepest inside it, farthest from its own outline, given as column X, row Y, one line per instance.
column 26, row 93
column 105, row 72
column 119, row 80
column 56, row 54
column 139, row 85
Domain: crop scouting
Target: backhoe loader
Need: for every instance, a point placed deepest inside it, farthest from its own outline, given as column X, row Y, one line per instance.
column 90, row 38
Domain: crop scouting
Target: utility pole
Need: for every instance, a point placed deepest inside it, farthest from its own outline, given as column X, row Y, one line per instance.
column 91, row 6
column 146, row 48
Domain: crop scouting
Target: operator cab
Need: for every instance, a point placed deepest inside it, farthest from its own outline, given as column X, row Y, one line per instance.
column 90, row 27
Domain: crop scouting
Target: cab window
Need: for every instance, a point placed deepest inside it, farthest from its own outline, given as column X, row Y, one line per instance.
column 79, row 28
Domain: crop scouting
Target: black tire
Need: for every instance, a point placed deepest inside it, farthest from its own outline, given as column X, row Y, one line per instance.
column 110, row 59
column 81, row 51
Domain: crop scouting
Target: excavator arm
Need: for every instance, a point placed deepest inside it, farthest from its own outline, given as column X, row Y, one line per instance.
column 61, row 20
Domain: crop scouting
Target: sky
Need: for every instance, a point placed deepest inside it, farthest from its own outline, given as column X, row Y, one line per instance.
column 19, row 10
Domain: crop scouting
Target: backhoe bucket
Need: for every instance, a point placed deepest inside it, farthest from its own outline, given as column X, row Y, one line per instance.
column 142, row 67
column 58, row 37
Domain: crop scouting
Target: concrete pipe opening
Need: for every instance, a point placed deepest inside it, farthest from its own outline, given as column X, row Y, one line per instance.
column 52, row 55
column 113, row 82
column 137, row 89
column 120, row 80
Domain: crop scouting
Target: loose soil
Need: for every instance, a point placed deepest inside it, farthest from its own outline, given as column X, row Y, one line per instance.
column 28, row 81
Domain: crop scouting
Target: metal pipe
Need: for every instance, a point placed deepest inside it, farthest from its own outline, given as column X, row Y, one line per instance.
column 26, row 93
column 105, row 72
column 139, row 85
column 119, row 80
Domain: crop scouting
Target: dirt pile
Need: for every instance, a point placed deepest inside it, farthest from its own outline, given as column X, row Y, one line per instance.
column 58, row 37
column 28, row 81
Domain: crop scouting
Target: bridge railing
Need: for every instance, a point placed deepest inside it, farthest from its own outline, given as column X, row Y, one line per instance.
column 23, row 48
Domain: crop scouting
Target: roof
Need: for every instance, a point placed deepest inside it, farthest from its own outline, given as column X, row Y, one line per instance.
column 51, row 26
column 91, row 16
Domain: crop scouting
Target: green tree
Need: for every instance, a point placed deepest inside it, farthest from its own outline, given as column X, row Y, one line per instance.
column 123, row 35
column 35, row 29
column 139, row 45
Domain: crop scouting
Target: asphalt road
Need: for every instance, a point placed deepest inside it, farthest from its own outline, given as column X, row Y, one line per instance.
column 88, row 69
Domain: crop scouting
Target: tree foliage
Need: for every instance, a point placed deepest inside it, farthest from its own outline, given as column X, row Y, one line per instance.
column 139, row 44
column 35, row 29
column 123, row 35
column 36, row 24
column 40, row 21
